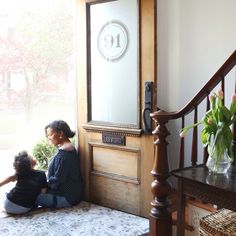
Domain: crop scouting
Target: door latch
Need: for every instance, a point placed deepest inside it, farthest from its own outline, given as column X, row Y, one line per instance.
column 147, row 120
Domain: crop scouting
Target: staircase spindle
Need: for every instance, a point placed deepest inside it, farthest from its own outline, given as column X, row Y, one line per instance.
column 205, row 154
column 194, row 155
column 223, row 88
column 234, row 125
column 181, row 154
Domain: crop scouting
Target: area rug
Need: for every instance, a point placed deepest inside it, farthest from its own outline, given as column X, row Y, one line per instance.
column 85, row 219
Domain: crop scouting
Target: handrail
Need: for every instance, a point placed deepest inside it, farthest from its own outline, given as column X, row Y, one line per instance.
column 202, row 94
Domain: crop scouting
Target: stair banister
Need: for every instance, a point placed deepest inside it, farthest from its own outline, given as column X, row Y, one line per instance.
column 160, row 214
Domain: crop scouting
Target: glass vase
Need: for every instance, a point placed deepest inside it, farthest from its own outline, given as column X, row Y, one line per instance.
column 220, row 164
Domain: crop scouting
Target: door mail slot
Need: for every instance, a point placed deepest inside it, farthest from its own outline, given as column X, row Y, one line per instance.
column 117, row 139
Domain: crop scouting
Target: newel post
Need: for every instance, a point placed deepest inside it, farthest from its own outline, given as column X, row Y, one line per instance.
column 160, row 223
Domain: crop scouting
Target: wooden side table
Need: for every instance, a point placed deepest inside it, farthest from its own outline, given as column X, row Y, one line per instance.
column 212, row 188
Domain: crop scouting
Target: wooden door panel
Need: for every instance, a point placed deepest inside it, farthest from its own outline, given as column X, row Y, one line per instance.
column 114, row 193
column 115, row 161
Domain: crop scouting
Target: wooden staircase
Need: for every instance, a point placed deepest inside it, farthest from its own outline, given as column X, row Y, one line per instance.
column 185, row 152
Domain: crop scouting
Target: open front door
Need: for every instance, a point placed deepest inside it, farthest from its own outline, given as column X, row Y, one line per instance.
column 116, row 93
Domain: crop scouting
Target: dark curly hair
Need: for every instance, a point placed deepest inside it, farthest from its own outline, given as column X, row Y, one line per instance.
column 61, row 125
column 22, row 163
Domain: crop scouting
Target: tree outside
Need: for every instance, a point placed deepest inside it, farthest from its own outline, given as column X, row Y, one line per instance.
column 37, row 70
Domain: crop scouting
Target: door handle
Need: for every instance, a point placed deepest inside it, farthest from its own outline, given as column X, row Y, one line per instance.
column 147, row 120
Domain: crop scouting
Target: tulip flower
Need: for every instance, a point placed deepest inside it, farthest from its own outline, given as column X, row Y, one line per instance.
column 234, row 98
column 211, row 98
column 210, row 121
column 182, row 134
column 220, row 94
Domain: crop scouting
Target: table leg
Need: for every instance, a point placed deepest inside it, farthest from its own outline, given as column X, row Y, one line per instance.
column 180, row 209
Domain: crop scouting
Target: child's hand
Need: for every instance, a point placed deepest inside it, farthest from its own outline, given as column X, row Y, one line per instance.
column 13, row 178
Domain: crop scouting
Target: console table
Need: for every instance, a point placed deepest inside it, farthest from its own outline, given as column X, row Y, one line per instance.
column 197, row 182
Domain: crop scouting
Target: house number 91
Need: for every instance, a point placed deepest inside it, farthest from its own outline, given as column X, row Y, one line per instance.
column 113, row 40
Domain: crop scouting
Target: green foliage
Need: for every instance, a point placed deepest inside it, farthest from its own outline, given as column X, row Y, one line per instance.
column 216, row 134
column 42, row 152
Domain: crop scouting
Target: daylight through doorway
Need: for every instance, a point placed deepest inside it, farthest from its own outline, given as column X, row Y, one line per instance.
column 37, row 72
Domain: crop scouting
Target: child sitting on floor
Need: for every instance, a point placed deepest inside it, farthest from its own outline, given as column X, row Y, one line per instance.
column 30, row 183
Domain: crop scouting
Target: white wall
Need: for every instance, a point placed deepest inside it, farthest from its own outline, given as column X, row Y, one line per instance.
column 194, row 39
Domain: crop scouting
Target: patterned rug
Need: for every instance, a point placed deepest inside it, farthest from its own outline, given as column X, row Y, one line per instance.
column 85, row 219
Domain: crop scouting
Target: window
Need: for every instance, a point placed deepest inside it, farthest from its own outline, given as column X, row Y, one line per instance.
column 37, row 70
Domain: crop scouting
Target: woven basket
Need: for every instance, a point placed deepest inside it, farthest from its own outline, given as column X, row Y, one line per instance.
column 220, row 223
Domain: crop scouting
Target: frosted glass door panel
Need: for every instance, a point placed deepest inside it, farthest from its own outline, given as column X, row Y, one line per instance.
column 114, row 73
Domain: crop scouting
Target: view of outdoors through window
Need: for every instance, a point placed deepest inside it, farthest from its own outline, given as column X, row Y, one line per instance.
column 37, row 71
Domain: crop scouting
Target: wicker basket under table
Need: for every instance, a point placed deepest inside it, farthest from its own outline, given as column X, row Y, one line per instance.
column 220, row 223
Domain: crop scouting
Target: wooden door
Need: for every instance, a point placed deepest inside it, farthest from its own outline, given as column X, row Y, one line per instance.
column 115, row 141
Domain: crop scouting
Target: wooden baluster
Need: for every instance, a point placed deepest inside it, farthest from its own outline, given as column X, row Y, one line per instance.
column 234, row 127
column 160, row 214
column 223, row 88
column 194, row 155
column 181, row 155
column 205, row 155
column 234, row 143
